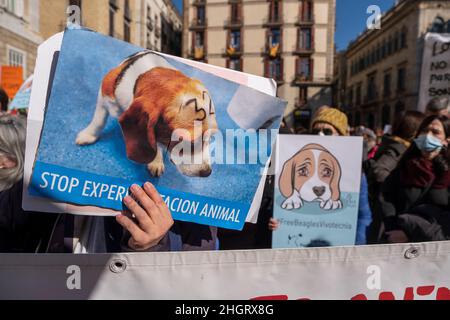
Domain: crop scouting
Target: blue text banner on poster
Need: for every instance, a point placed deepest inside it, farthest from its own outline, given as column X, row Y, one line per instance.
column 69, row 185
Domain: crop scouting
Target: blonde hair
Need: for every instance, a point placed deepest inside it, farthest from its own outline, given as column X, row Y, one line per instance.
column 12, row 145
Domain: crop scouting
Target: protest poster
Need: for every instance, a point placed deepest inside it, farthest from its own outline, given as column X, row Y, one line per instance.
column 99, row 173
column 11, row 78
column 22, row 98
column 316, row 194
column 435, row 76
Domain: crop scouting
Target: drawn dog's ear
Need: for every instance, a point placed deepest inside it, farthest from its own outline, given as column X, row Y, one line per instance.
column 138, row 128
column 335, row 179
column 286, row 181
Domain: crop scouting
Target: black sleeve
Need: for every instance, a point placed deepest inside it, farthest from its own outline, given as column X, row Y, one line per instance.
column 385, row 165
column 389, row 195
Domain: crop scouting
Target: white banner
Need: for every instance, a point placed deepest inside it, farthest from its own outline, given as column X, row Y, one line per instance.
column 418, row 272
column 435, row 76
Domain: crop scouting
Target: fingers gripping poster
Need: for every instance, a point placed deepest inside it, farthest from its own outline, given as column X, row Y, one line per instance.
column 118, row 115
column 316, row 191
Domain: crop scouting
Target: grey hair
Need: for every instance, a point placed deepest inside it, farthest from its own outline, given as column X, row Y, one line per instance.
column 12, row 145
column 438, row 104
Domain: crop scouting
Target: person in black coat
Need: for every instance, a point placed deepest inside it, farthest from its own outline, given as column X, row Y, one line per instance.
column 386, row 159
column 414, row 199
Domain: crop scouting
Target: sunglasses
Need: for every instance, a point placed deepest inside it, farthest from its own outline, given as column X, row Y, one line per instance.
column 325, row 131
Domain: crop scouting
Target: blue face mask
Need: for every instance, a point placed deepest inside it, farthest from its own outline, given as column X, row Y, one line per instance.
column 428, row 143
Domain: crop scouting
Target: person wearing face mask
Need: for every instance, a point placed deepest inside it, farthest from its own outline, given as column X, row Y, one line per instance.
column 329, row 121
column 414, row 198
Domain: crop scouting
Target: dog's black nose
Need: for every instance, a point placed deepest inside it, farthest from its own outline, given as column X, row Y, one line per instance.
column 319, row 191
column 205, row 172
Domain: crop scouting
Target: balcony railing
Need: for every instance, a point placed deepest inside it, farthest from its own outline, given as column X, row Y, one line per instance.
column 234, row 22
column 233, row 51
column 272, row 51
column 198, row 24
column 198, row 53
column 304, row 21
column 199, row 3
column 274, row 21
column 298, row 50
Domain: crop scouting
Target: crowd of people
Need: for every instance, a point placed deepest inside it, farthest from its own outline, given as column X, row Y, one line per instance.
column 404, row 195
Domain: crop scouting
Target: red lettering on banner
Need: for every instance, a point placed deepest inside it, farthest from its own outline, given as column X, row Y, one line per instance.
column 443, row 294
column 279, row 297
column 386, row 296
column 359, row 297
column 409, row 294
column 425, row 290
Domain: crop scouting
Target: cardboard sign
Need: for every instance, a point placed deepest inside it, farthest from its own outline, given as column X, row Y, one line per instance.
column 316, row 191
column 11, row 78
column 435, row 77
column 132, row 144
column 22, row 98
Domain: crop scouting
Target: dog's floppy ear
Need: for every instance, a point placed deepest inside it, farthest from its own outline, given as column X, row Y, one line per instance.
column 286, row 181
column 335, row 179
column 138, row 128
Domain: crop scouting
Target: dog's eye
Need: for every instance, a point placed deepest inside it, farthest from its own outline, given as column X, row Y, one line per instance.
column 326, row 173
column 303, row 172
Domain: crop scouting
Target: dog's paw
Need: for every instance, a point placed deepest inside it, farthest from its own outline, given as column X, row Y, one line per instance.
column 156, row 168
column 331, row 205
column 85, row 138
column 294, row 202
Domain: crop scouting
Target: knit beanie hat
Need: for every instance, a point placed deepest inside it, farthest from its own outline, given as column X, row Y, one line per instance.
column 333, row 117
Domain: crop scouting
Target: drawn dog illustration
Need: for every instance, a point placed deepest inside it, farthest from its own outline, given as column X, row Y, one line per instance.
column 313, row 174
column 152, row 100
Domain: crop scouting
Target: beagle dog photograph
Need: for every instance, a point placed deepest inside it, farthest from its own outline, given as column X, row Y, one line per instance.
column 312, row 175
column 151, row 100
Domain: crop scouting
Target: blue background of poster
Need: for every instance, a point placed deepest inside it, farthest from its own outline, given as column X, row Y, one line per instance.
column 79, row 73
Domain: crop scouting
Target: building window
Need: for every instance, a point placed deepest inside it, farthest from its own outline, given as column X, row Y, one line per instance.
column 274, row 13
column 438, row 25
column 371, row 88
column 384, row 50
column 387, row 85
column 386, row 115
column 306, row 11
column 401, row 79
column 235, row 16
column 274, row 37
column 350, row 98
column 201, row 15
column 199, row 39
column 235, row 39
column 235, row 64
column 389, row 46
column 371, row 121
column 358, row 94
column 15, row 7
column 274, row 69
column 404, row 38
column 357, row 118
column 399, row 109
column 305, row 39
column 112, row 12
column 305, row 69
column 126, row 22
column 397, row 41
column 17, row 58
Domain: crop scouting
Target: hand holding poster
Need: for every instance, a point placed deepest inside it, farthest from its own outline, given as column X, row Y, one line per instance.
column 317, row 185
column 435, row 77
column 130, row 116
